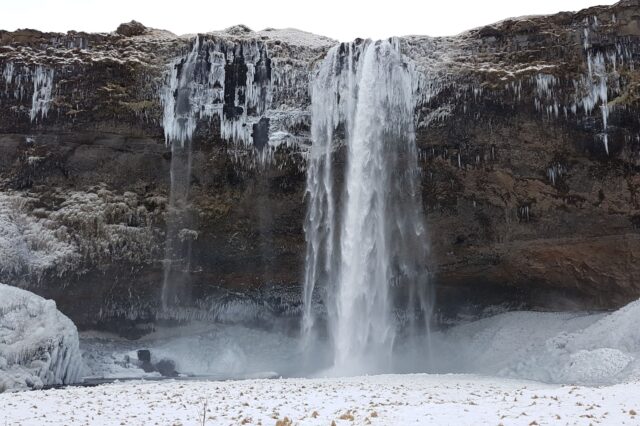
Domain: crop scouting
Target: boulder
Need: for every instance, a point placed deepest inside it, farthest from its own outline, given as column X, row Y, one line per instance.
column 131, row 29
column 38, row 344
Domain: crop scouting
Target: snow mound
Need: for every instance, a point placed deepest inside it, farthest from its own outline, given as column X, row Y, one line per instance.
column 38, row 344
column 596, row 366
column 588, row 349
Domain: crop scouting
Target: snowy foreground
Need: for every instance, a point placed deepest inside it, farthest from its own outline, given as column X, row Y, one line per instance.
column 389, row 399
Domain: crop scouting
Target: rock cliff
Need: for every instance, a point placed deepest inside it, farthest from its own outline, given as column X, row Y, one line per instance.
column 528, row 132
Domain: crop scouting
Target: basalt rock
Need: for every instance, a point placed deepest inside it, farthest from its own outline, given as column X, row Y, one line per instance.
column 130, row 29
column 528, row 132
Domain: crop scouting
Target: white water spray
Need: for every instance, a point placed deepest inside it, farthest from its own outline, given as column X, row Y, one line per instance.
column 371, row 256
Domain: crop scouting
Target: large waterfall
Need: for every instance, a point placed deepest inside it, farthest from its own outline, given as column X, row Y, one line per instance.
column 366, row 242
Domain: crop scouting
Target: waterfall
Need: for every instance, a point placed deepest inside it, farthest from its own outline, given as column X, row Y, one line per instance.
column 369, row 255
column 181, row 111
column 226, row 88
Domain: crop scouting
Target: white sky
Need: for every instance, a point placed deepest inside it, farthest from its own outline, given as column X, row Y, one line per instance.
column 340, row 19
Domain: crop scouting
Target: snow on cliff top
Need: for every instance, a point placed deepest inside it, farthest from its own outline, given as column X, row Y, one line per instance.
column 291, row 36
column 298, row 37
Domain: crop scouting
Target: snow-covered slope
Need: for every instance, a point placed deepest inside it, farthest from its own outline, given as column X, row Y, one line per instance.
column 38, row 344
column 587, row 349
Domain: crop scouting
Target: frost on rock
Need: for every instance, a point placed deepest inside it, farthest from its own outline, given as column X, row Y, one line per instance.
column 30, row 245
column 38, row 344
column 297, row 37
column 86, row 227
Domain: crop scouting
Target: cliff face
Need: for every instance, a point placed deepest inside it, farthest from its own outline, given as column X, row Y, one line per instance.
column 528, row 134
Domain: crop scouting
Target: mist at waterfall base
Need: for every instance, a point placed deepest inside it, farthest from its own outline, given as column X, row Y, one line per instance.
column 575, row 348
column 367, row 300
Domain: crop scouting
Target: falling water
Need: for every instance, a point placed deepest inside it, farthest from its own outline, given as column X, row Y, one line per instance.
column 179, row 125
column 370, row 256
column 228, row 87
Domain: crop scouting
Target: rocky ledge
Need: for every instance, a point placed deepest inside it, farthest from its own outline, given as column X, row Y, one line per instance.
column 528, row 132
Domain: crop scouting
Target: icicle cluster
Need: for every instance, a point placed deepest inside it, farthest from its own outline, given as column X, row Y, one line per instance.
column 16, row 79
column 42, row 89
column 555, row 172
column 591, row 90
column 199, row 88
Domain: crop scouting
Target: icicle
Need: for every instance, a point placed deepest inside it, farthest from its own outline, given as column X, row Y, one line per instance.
column 554, row 172
column 7, row 75
column 42, row 89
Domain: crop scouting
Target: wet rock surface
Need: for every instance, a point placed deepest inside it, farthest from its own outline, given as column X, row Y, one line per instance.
column 528, row 133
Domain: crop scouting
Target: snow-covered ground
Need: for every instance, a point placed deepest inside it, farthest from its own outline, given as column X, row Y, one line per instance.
column 377, row 400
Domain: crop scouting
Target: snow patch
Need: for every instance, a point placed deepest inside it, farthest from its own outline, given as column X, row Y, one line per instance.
column 297, row 37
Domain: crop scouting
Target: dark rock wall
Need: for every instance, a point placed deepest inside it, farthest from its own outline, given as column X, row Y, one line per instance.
column 523, row 202
column 522, row 195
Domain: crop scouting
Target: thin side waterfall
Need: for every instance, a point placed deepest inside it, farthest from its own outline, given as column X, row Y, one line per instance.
column 369, row 254
column 222, row 85
column 179, row 125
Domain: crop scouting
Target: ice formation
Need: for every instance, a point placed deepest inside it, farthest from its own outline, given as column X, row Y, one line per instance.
column 555, row 172
column 28, row 244
column 87, row 226
column 367, row 89
column 199, row 88
column 38, row 344
column 42, row 78
column 42, row 89
column 229, row 83
column 590, row 90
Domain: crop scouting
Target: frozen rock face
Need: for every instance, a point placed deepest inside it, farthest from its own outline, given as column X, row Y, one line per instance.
column 38, row 344
column 527, row 134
